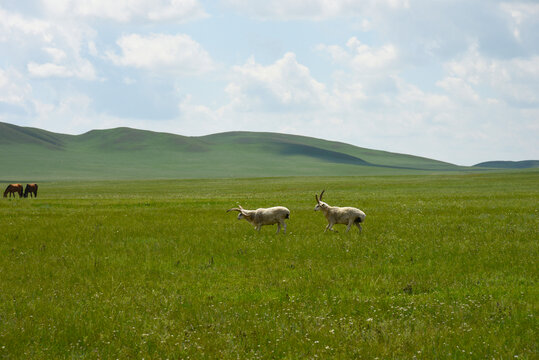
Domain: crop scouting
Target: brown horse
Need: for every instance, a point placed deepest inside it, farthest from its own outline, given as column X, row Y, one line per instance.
column 30, row 188
column 12, row 189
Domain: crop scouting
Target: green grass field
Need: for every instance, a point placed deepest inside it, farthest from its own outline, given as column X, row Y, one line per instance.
column 446, row 267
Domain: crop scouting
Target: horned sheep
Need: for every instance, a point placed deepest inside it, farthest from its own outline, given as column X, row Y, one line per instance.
column 270, row 216
column 339, row 215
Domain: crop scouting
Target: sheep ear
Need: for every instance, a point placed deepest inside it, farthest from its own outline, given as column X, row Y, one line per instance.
column 322, row 194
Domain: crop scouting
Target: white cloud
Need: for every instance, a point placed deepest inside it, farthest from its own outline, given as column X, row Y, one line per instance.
column 74, row 113
column 83, row 69
column 181, row 10
column 73, row 107
column 92, row 48
column 178, row 54
column 47, row 70
column 12, row 25
column 128, row 10
column 514, row 80
column 520, row 13
column 367, row 76
column 58, row 55
column 38, row 39
column 286, row 84
column 311, row 10
column 14, row 90
column 284, row 96
column 50, row 34
column 459, row 89
column 362, row 57
column 129, row 81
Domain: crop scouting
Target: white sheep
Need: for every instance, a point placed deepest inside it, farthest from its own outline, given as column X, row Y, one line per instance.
column 269, row 216
column 339, row 215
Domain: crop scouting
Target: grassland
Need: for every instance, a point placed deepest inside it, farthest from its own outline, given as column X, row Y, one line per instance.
column 446, row 267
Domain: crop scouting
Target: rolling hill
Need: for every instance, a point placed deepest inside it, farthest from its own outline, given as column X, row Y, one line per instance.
column 30, row 154
column 525, row 164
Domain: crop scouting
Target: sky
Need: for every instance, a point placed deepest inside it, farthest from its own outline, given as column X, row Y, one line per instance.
column 456, row 81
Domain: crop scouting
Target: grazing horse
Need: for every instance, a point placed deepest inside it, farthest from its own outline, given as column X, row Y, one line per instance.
column 30, row 188
column 12, row 189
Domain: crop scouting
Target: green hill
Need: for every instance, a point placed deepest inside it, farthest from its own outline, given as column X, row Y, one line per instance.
column 30, row 154
column 526, row 164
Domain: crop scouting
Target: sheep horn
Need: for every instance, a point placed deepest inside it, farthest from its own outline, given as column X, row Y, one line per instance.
column 316, row 197
column 239, row 208
column 321, row 194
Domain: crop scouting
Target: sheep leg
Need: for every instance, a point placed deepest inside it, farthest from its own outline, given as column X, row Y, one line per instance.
column 279, row 227
column 348, row 227
column 258, row 228
column 359, row 227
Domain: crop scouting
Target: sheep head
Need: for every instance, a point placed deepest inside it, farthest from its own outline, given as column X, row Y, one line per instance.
column 319, row 203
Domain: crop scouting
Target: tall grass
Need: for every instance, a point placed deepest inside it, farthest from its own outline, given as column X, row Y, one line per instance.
column 446, row 267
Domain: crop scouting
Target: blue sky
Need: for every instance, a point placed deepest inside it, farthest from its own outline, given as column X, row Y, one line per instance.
column 452, row 80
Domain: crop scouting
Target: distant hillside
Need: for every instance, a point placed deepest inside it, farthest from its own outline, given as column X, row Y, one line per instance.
column 16, row 135
column 28, row 154
column 526, row 164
